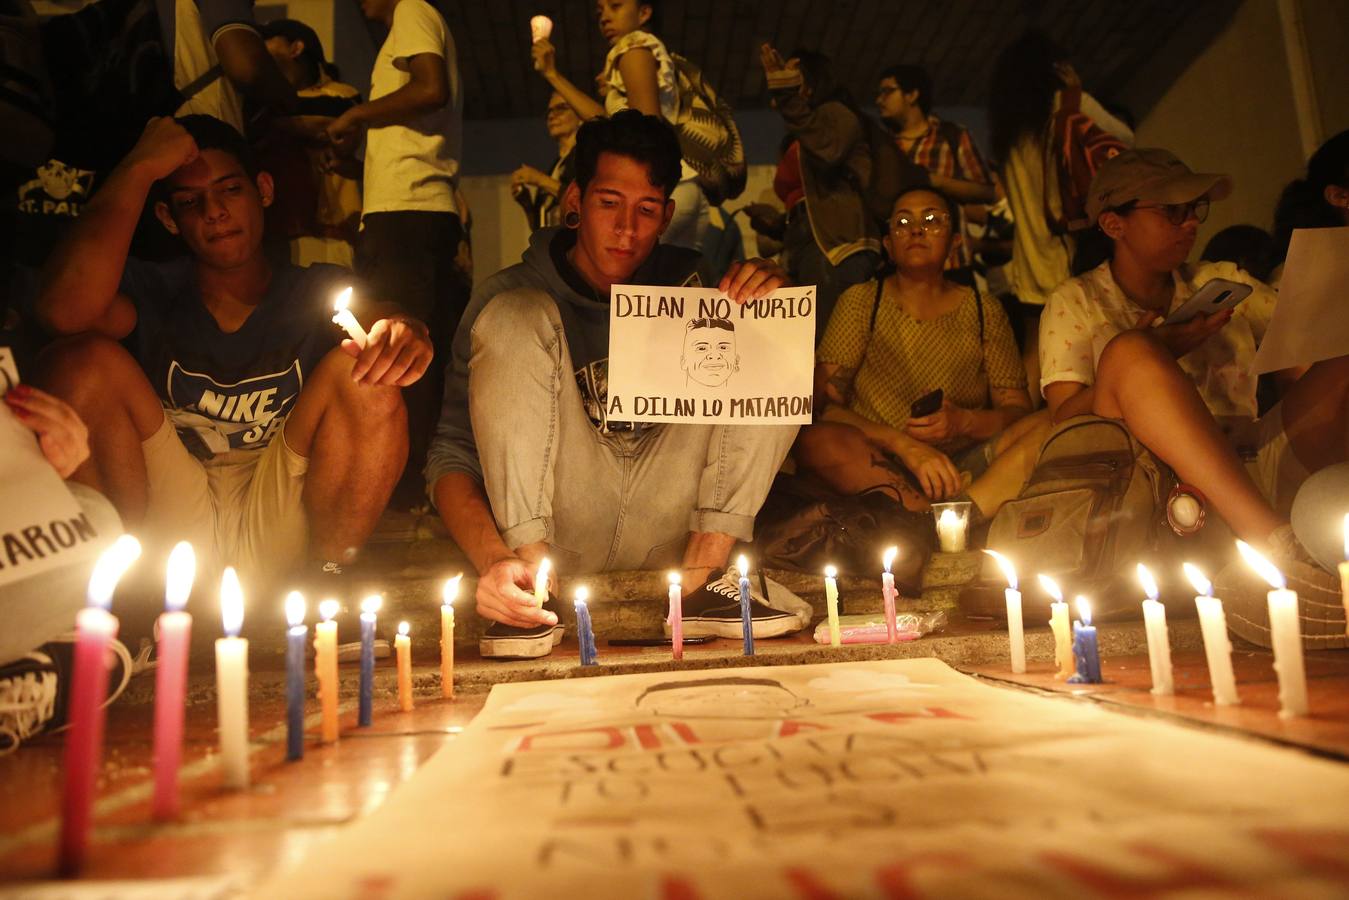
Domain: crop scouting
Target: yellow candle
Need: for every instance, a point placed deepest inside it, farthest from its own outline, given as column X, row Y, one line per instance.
column 325, row 667
column 231, row 673
column 541, row 581
column 402, row 646
column 448, row 595
column 1062, row 628
column 831, row 604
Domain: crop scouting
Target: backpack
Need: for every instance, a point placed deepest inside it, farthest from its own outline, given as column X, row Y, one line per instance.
column 1094, row 505
column 708, row 137
column 1075, row 148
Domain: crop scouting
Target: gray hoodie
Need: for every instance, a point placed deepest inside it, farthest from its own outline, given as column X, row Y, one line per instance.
column 585, row 324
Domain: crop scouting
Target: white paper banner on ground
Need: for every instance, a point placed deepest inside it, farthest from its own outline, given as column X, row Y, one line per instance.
column 1309, row 322
column 898, row 778
column 693, row 355
column 41, row 525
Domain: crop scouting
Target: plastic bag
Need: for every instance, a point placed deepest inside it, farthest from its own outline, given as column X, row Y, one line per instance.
column 870, row 628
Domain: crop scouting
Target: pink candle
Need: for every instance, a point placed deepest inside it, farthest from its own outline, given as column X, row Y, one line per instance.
column 676, row 616
column 888, row 594
column 175, row 638
column 95, row 627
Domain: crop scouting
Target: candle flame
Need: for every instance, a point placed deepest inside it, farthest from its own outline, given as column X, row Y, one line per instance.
column 109, row 569
column 329, row 608
column 1201, row 584
column 295, row 609
column 182, row 569
column 830, row 572
column 743, row 565
column 1008, row 570
column 342, row 300
column 450, row 592
column 371, row 604
column 1263, row 567
column 889, row 557
column 404, row 628
column 582, row 595
column 1148, row 582
column 231, row 602
column 948, row 518
column 674, row 578
column 541, row 576
column 1083, row 609
column 1051, row 587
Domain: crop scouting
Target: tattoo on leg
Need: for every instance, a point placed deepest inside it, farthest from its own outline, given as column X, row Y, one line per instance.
column 901, row 480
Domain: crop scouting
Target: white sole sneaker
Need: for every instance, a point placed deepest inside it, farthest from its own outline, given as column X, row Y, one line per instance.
column 520, row 646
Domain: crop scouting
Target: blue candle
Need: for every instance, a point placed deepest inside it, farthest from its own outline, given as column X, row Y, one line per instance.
column 1085, row 651
column 585, row 633
column 368, row 608
column 295, row 675
column 746, row 623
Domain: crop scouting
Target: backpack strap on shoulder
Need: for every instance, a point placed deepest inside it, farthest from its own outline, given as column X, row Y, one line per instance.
column 876, row 305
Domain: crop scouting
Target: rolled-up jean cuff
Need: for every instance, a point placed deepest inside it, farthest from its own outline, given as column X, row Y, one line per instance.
column 711, row 521
column 531, row 531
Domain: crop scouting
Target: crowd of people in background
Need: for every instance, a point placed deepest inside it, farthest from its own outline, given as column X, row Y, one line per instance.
column 171, row 306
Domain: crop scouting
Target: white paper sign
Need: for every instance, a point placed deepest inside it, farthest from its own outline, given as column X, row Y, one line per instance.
column 679, row 354
column 41, row 524
column 1309, row 322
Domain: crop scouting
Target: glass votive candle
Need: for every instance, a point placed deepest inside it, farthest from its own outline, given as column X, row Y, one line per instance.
column 953, row 522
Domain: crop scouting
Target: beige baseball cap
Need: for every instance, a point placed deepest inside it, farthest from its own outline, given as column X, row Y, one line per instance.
column 1150, row 175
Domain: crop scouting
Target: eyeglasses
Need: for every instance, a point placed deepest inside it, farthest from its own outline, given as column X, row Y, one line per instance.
column 1179, row 213
column 927, row 223
column 884, row 91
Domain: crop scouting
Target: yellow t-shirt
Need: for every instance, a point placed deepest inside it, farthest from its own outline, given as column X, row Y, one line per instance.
column 904, row 358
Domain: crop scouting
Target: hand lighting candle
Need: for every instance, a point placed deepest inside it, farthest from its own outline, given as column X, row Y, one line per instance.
column 540, row 28
column 1086, row 654
column 447, row 597
column 585, row 633
column 1058, row 623
column 295, row 637
column 1159, row 643
column 746, row 621
column 325, row 667
column 231, row 683
column 342, row 316
column 95, row 628
column 541, row 576
column 1285, row 634
column 402, row 646
column 888, row 595
column 1217, row 647
column 831, row 605
column 1016, row 632
column 175, row 641
column 676, row 618
column 365, row 702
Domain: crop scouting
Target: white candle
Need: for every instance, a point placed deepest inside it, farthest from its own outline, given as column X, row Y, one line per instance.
column 831, row 605
column 1344, row 576
column 540, row 28
column 1159, row 644
column 1217, row 646
column 541, row 581
column 342, row 316
column 951, row 531
column 1062, row 628
column 676, row 617
column 1016, row 633
column 1285, row 635
column 231, row 679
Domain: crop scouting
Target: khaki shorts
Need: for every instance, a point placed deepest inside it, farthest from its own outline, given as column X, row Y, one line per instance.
column 240, row 509
column 1275, row 468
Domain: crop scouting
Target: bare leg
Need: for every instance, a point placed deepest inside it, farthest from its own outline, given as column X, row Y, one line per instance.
column 705, row 551
column 1316, row 414
column 849, row 463
column 1015, row 452
column 1138, row 380
column 106, row 386
column 356, row 439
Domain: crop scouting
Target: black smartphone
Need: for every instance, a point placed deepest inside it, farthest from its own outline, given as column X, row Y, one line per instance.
column 927, row 404
column 657, row 641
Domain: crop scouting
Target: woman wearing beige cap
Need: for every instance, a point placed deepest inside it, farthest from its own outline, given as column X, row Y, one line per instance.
column 1188, row 391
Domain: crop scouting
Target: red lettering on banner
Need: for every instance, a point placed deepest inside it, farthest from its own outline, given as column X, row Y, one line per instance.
column 896, row 879
column 789, row 727
column 674, row 887
column 612, row 734
column 646, row 737
column 807, row 885
column 684, row 731
column 1179, row 874
column 931, row 712
column 1319, row 850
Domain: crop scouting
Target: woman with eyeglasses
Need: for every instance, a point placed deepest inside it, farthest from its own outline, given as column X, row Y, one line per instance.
column 893, row 341
column 1187, row 391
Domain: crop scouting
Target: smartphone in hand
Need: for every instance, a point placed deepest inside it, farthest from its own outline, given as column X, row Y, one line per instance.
column 927, row 404
column 1214, row 297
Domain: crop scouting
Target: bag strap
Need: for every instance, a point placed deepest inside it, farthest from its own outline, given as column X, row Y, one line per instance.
column 875, row 306
column 200, row 83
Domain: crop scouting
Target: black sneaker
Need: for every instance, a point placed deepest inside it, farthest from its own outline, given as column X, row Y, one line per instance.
column 32, row 699
column 502, row 641
column 714, row 609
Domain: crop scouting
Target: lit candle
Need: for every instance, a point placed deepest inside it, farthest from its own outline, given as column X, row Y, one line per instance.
column 175, row 641
column 325, row 667
column 95, row 627
column 831, row 605
column 365, row 703
column 585, row 633
column 1086, row 653
column 1159, row 643
column 448, row 595
column 342, row 316
column 746, row 622
column 888, row 595
column 676, row 616
column 1344, row 576
column 1217, row 646
column 541, row 581
column 1285, row 634
column 951, row 526
column 402, row 646
column 540, row 27
column 1016, row 632
column 1058, row 623
column 295, row 636
column 231, row 683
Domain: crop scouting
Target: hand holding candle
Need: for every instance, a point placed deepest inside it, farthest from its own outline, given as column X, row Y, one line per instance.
column 888, row 595
column 676, row 616
column 295, row 636
column 175, row 640
column 449, row 594
column 1159, row 643
column 365, row 701
column 342, row 316
column 1058, row 623
column 831, row 605
column 231, row 680
column 541, row 581
column 746, row 620
column 1217, row 647
column 325, row 667
column 1016, row 632
column 1285, row 634
column 402, row 646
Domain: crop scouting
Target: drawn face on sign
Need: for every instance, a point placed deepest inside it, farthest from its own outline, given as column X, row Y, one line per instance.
column 709, row 357
column 720, row 698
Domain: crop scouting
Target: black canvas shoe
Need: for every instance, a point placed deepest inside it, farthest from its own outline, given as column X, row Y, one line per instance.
column 502, row 641
column 714, row 609
column 34, row 693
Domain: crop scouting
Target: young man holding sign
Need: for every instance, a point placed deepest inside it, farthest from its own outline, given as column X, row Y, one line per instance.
column 526, row 462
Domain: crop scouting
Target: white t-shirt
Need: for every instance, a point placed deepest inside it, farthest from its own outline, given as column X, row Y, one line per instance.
column 1085, row 313
column 413, row 166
